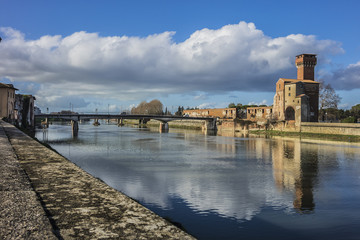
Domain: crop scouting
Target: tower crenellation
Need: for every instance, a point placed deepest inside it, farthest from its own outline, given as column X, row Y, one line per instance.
column 305, row 64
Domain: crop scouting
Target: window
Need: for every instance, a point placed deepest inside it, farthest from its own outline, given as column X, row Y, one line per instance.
column 263, row 110
column 289, row 94
column 289, row 88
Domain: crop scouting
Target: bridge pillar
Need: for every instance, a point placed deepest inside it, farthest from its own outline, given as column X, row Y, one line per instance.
column 96, row 122
column 120, row 122
column 45, row 124
column 164, row 127
column 75, row 127
column 209, row 125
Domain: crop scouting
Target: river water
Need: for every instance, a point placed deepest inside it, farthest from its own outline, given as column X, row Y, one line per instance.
column 221, row 187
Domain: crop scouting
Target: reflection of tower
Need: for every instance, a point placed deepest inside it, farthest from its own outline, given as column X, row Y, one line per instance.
column 295, row 167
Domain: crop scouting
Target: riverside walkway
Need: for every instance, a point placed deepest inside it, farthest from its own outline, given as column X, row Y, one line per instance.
column 45, row 196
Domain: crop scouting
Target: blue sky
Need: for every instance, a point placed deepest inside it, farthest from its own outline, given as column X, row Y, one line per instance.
column 115, row 54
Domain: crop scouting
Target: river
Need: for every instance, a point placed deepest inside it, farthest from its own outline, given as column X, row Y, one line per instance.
column 221, row 187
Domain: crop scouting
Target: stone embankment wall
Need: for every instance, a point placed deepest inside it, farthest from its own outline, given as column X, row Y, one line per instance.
column 190, row 124
column 352, row 129
column 77, row 205
column 331, row 128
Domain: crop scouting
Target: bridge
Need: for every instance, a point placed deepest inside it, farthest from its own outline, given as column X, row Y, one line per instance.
column 209, row 122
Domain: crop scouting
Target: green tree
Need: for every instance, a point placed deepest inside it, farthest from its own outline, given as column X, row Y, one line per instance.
column 232, row 105
column 355, row 111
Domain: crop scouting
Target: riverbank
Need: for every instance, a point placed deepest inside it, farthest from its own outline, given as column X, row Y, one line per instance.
column 71, row 204
column 319, row 136
column 181, row 124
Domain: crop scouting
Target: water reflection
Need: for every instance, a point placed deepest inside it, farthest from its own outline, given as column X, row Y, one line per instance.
column 295, row 168
column 240, row 179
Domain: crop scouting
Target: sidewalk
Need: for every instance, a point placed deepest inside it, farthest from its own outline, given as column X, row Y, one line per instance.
column 79, row 205
column 21, row 214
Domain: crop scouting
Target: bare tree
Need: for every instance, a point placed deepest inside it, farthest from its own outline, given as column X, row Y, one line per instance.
column 328, row 101
column 154, row 107
column 328, row 97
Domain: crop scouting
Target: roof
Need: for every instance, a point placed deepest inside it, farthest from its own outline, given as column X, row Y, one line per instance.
column 302, row 95
column 306, row 54
column 297, row 80
column 3, row 85
column 259, row 107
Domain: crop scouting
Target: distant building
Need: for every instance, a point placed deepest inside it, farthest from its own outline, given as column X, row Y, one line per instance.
column 24, row 110
column 259, row 113
column 17, row 108
column 227, row 113
column 298, row 99
column 295, row 100
column 7, row 101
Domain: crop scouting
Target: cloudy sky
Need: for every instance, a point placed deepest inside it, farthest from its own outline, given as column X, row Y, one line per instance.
column 110, row 55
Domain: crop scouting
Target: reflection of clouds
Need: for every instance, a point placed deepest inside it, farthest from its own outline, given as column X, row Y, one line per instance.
column 241, row 199
column 232, row 177
column 212, row 174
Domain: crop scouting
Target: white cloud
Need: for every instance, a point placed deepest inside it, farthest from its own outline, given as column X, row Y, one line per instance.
column 206, row 105
column 263, row 102
column 346, row 78
column 236, row 57
column 201, row 96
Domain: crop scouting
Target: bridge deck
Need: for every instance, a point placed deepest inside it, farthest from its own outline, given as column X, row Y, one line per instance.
column 120, row 116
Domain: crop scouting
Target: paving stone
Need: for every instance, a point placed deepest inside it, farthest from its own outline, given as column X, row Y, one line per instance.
column 21, row 213
column 81, row 206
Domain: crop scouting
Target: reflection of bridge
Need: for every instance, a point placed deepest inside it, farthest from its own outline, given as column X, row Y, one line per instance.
column 209, row 123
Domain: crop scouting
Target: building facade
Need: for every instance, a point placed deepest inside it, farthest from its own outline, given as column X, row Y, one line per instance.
column 24, row 110
column 7, row 101
column 298, row 99
column 223, row 113
column 259, row 113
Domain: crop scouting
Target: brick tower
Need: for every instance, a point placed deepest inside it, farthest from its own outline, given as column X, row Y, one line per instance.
column 305, row 64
